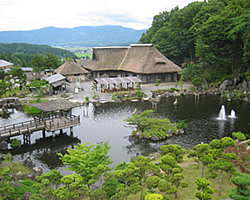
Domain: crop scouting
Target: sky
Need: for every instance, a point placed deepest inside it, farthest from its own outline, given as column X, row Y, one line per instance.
column 36, row 14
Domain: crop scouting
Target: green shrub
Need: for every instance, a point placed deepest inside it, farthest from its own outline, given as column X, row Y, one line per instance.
column 111, row 186
column 114, row 97
column 87, row 98
column 15, row 143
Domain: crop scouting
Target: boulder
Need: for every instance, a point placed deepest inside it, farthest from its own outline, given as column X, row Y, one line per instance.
column 28, row 163
column 132, row 94
column 119, row 97
column 15, row 183
column 38, row 171
column 224, row 85
column 182, row 131
column 26, row 196
column 245, row 99
column 30, row 176
column 153, row 95
column 244, row 86
column 19, row 175
column 1, row 157
column 154, row 137
column 3, row 145
column 166, row 94
column 177, row 132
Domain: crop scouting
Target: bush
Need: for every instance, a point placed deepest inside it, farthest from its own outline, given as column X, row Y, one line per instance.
column 87, row 98
column 15, row 143
column 110, row 186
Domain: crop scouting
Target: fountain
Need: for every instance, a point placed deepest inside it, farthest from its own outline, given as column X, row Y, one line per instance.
column 222, row 114
column 232, row 114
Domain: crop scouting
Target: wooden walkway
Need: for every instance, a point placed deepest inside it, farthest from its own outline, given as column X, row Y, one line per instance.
column 26, row 128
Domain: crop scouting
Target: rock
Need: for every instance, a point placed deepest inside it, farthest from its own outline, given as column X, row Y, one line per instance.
column 28, row 163
column 152, row 158
column 224, row 85
column 154, row 137
column 156, row 163
column 146, row 136
column 245, row 99
column 119, row 97
column 38, row 171
column 230, row 88
column 182, row 131
column 1, row 157
column 3, row 145
column 15, row 183
column 244, row 86
column 19, row 175
column 30, row 176
column 153, row 95
column 8, row 157
column 132, row 94
column 166, row 94
column 171, row 131
column 11, row 176
column 177, row 132
column 26, row 196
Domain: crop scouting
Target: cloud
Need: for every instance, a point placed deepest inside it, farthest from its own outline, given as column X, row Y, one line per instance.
column 30, row 14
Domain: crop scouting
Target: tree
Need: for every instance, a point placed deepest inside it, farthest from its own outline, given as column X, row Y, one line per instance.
column 127, row 174
column 223, row 162
column 202, row 154
column 85, row 158
column 242, row 182
column 175, row 150
column 73, row 188
column 144, row 168
column 154, row 197
column 37, row 62
column 51, row 61
column 205, row 192
column 17, row 74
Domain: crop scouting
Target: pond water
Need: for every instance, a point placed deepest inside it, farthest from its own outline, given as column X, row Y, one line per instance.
column 106, row 122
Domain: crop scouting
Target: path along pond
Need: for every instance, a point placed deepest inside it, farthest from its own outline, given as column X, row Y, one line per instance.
column 106, row 122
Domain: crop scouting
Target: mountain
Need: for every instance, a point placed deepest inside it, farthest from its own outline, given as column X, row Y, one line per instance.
column 88, row 36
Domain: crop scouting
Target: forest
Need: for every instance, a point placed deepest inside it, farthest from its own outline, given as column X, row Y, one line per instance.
column 21, row 54
column 210, row 38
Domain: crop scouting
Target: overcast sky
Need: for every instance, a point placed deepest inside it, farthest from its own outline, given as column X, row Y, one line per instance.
column 35, row 14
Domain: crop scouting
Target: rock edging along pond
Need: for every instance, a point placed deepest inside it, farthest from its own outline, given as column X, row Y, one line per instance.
column 150, row 127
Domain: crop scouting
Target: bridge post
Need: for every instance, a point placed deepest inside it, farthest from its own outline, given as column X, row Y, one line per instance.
column 61, row 131
column 44, row 133
column 71, row 131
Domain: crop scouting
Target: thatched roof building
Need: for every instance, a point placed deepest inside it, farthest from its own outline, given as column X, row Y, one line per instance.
column 34, row 75
column 71, row 70
column 141, row 60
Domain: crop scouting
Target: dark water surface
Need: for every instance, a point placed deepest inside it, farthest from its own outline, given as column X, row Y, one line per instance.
column 106, row 122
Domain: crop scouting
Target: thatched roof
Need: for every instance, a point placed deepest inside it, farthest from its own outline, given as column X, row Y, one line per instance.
column 82, row 62
column 137, row 58
column 54, row 105
column 34, row 75
column 70, row 67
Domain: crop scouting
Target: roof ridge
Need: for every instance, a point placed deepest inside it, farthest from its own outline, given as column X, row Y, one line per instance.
column 124, row 58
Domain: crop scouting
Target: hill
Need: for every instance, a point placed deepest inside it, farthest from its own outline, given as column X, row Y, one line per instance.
column 88, row 36
column 32, row 49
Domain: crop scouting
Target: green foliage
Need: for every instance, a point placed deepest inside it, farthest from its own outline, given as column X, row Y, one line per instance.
column 73, row 188
column 149, row 125
column 175, row 150
column 87, row 98
column 181, row 124
column 196, row 80
column 154, row 196
column 242, row 183
column 205, row 192
column 15, row 143
column 110, row 186
column 238, row 135
column 84, row 158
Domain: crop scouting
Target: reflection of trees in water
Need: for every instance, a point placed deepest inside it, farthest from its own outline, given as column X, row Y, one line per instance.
column 142, row 146
column 45, row 150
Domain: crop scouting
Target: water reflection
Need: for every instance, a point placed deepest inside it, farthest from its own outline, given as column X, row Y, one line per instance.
column 106, row 122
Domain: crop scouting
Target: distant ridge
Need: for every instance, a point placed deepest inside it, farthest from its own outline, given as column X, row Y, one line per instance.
column 88, row 36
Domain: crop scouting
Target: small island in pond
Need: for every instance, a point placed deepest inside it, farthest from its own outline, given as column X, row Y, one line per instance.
column 149, row 126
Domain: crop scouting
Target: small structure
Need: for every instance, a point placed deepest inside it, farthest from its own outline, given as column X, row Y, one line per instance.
column 72, row 71
column 57, row 83
column 141, row 60
column 117, row 84
column 5, row 64
column 27, row 70
column 34, row 75
column 55, row 115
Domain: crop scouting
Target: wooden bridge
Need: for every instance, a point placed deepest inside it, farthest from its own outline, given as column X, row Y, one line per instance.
column 50, row 124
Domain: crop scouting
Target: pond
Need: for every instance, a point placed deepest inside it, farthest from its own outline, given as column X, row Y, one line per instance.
column 106, row 122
